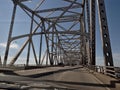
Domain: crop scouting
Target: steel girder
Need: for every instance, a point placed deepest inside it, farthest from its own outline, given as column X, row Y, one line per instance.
column 107, row 52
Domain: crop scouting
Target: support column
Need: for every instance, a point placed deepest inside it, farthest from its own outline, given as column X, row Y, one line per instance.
column 92, row 32
column 10, row 35
column 52, row 47
column 47, row 43
column 40, row 51
column 29, row 45
column 105, row 33
column 83, row 41
column 88, row 38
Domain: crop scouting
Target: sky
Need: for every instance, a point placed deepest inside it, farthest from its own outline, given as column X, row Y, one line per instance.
column 113, row 16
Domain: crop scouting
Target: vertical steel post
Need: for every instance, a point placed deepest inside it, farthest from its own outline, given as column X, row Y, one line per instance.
column 10, row 34
column 105, row 33
column 29, row 45
column 88, row 14
column 83, row 41
column 52, row 45
column 88, row 38
column 47, row 43
column 40, row 51
column 93, row 32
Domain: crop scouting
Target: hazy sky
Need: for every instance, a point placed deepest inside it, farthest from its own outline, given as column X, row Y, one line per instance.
column 113, row 16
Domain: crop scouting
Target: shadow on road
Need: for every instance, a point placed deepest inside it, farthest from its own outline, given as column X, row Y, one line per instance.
column 8, row 72
column 111, row 85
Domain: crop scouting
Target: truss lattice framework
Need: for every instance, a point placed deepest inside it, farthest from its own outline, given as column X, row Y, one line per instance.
column 59, row 32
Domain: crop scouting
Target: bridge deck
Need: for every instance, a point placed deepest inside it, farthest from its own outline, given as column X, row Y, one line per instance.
column 70, row 78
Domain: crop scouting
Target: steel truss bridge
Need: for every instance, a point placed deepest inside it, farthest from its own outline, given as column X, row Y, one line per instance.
column 59, row 35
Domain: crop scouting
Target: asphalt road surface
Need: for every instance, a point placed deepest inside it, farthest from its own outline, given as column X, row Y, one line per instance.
column 78, row 79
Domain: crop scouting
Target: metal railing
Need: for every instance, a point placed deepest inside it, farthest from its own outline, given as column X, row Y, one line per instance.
column 107, row 70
